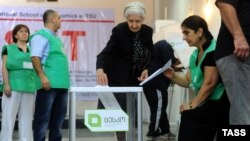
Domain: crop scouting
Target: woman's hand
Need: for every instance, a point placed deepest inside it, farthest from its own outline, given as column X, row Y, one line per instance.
column 184, row 107
column 169, row 73
column 144, row 75
column 101, row 77
column 7, row 90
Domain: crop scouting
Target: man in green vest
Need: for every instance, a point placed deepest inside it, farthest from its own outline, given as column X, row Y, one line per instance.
column 51, row 66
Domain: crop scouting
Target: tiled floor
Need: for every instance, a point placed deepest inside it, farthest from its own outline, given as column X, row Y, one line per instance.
column 86, row 135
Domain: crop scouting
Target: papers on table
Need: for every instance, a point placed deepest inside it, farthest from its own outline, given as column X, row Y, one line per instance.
column 158, row 72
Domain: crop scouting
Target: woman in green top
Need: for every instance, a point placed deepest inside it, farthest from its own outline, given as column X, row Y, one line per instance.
column 18, row 86
column 209, row 109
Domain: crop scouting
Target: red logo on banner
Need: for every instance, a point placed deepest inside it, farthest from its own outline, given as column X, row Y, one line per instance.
column 8, row 37
column 73, row 36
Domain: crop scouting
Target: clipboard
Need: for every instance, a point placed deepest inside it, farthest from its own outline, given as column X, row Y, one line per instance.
column 157, row 72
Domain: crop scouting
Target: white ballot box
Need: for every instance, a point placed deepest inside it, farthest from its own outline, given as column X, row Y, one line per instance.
column 97, row 121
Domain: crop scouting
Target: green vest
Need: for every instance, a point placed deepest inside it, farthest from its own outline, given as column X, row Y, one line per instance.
column 56, row 64
column 1, row 88
column 197, row 76
column 20, row 70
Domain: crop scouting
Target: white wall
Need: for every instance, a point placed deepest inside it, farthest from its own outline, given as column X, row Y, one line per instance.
column 178, row 10
column 212, row 15
column 117, row 5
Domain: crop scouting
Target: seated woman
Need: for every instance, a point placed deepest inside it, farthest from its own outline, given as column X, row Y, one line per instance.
column 203, row 115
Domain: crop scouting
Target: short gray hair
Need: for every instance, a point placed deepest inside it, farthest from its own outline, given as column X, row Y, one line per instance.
column 134, row 8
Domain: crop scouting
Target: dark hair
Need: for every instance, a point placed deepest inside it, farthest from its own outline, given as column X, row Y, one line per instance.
column 47, row 14
column 16, row 29
column 195, row 22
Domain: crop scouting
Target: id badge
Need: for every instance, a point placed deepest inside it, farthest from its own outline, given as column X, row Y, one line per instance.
column 27, row 65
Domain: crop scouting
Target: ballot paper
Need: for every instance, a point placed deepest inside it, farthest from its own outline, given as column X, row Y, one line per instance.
column 108, row 100
column 158, row 72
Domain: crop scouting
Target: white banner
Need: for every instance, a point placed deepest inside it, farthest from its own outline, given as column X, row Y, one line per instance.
column 84, row 32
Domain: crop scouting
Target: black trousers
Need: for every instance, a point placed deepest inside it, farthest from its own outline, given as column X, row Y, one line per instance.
column 158, row 101
column 202, row 123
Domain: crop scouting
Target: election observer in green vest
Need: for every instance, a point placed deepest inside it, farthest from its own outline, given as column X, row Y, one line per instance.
column 18, row 86
column 210, row 103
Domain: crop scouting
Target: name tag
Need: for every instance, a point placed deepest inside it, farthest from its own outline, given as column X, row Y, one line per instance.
column 27, row 65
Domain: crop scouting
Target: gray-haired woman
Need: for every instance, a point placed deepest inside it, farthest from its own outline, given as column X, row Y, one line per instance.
column 124, row 60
